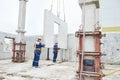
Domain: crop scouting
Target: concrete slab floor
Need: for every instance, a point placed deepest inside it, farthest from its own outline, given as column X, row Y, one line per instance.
column 112, row 71
column 47, row 71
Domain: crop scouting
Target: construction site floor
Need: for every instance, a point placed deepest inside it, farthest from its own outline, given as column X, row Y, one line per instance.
column 47, row 70
column 112, row 72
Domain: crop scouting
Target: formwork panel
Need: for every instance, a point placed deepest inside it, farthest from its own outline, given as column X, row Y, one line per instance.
column 89, row 43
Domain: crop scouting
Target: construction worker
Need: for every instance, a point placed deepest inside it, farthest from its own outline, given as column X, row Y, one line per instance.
column 38, row 45
column 55, row 51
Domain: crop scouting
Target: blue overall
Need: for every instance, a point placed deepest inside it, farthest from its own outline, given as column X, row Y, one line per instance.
column 55, row 52
column 37, row 54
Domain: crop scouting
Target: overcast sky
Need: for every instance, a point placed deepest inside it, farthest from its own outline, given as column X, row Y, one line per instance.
column 109, row 15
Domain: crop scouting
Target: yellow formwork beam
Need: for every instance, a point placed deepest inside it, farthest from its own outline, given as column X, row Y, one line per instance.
column 111, row 29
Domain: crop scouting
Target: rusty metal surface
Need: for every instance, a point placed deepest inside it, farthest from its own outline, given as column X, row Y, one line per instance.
column 19, row 52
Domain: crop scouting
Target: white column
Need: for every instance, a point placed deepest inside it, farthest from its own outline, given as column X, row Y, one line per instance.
column 91, row 17
column 91, row 13
column 21, row 20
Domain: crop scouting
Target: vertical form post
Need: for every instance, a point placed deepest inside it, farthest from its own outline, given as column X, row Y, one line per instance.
column 80, row 57
column 24, row 51
column 21, row 52
column 13, row 57
column 97, row 49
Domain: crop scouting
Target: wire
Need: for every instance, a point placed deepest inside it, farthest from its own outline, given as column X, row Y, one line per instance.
column 51, row 6
column 64, row 11
column 57, row 11
column 58, row 8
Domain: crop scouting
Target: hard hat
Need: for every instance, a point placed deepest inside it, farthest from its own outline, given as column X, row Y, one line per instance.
column 39, row 38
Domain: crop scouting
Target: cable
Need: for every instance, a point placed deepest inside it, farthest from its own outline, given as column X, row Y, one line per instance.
column 58, row 8
column 51, row 6
column 64, row 11
column 57, row 11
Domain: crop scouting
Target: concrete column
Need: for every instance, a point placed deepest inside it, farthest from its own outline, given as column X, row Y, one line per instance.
column 21, row 20
column 90, row 17
column 90, row 13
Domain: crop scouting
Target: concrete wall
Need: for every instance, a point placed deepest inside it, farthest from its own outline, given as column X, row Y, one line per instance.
column 5, row 49
column 63, row 54
column 110, row 47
